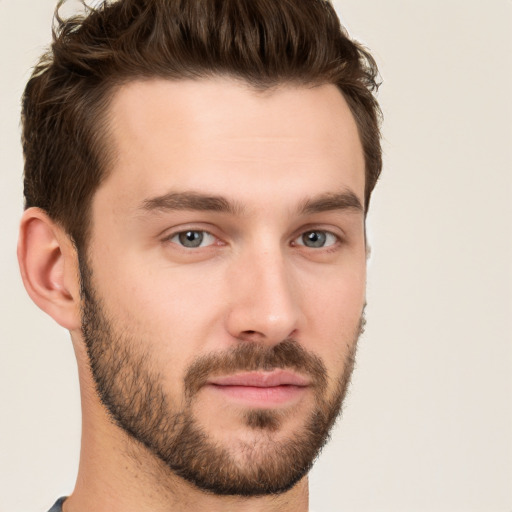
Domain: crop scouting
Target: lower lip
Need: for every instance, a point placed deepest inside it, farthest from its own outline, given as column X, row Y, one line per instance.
column 260, row 396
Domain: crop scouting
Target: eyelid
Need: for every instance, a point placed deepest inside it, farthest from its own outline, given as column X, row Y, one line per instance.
column 169, row 231
column 337, row 238
column 205, row 236
column 174, row 232
column 333, row 229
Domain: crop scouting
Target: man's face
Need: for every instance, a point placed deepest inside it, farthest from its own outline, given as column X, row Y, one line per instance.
column 224, row 282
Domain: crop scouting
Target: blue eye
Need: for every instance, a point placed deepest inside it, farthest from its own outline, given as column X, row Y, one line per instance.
column 316, row 239
column 192, row 239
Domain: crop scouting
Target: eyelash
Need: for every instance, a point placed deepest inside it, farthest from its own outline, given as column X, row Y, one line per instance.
column 327, row 234
column 188, row 231
column 335, row 239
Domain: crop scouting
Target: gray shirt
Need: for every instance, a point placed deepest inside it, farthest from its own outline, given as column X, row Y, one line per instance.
column 58, row 505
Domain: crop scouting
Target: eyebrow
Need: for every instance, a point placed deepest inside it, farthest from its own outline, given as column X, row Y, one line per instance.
column 346, row 200
column 195, row 201
column 192, row 201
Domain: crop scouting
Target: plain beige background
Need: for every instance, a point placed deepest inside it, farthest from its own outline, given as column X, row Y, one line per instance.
column 428, row 422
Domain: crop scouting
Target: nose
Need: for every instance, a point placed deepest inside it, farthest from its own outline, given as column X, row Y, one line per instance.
column 264, row 305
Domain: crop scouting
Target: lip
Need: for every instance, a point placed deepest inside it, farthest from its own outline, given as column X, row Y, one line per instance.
column 262, row 379
column 260, row 389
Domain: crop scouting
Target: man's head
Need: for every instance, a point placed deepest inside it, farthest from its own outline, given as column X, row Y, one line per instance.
column 210, row 165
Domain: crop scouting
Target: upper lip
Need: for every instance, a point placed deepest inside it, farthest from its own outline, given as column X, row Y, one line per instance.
column 261, row 379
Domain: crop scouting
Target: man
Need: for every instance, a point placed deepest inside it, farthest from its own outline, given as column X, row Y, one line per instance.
column 197, row 175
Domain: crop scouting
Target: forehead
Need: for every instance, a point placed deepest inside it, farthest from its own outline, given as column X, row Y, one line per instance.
column 221, row 136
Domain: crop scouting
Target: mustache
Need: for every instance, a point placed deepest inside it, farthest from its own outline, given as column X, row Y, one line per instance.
column 249, row 356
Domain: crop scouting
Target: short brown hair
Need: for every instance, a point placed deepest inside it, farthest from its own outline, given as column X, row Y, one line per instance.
column 263, row 42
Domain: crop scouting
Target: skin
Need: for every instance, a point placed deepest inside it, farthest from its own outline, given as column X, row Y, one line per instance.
column 253, row 280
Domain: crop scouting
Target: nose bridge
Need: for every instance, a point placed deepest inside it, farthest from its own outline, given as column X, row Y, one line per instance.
column 265, row 304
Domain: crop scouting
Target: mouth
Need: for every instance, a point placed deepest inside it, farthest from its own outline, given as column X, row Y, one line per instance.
column 261, row 389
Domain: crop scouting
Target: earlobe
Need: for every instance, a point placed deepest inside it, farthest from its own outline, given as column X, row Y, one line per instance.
column 48, row 265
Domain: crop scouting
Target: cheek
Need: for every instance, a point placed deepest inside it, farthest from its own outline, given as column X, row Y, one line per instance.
column 334, row 316
column 170, row 314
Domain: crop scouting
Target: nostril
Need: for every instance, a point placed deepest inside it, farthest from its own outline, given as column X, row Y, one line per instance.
column 251, row 335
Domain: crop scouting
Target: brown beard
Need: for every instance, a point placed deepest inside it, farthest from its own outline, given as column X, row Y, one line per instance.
column 133, row 394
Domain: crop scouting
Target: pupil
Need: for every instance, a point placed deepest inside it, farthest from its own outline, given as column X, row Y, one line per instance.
column 191, row 238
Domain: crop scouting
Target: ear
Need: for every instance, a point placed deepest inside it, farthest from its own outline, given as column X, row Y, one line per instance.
column 49, row 267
